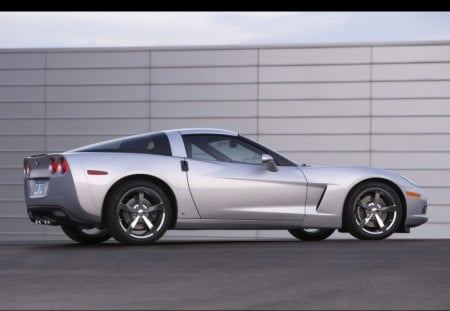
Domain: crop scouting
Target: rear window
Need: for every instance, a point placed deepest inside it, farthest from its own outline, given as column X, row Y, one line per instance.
column 156, row 143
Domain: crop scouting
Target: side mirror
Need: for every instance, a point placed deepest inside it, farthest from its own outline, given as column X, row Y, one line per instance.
column 269, row 163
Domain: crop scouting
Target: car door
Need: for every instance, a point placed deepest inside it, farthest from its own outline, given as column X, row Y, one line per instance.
column 228, row 181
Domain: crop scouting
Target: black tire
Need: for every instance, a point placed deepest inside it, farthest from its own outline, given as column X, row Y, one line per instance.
column 137, row 212
column 311, row 234
column 85, row 236
column 373, row 211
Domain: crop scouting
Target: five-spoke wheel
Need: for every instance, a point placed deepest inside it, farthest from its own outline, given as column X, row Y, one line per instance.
column 138, row 212
column 373, row 211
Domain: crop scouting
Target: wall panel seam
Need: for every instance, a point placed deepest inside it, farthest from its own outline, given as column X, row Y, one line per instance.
column 12, row 200
column 436, row 187
column 45, row 118
column 149, row 89
column 262, row 65
column 45, row 101
column 261, row 117
column 225, row 83
column 370, row 107
column 265, row 83
column 236, row 66
column 224, row 100
column 257, row 94
column 252, row 100
column 416, row 151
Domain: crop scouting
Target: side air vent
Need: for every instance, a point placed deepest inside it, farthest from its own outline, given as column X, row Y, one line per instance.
column 321, row 197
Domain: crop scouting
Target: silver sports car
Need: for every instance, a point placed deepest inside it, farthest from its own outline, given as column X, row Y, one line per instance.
column 137, row 187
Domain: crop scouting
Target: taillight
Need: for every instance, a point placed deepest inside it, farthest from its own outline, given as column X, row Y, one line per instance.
column 52, row 165
column 63, row 165
column 26, row 168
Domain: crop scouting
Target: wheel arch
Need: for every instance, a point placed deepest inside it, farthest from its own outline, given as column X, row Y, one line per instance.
column 389, row 183
column 163, row 185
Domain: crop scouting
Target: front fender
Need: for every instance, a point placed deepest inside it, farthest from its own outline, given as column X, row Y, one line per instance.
column 338, row 182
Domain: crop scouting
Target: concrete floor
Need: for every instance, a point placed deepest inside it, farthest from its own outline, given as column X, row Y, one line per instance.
column 263, row 274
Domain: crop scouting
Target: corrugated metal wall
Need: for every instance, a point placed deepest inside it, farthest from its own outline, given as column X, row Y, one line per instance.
column 381, row 105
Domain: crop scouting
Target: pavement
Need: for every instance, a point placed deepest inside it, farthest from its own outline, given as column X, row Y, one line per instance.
column 230, row 274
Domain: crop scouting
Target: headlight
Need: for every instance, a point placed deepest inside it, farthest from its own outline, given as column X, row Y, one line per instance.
column 408, row 180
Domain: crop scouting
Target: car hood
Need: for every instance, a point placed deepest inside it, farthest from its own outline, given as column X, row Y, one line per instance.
column 347, row 175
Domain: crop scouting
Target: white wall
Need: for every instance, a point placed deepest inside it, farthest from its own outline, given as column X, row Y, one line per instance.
column 385, row 105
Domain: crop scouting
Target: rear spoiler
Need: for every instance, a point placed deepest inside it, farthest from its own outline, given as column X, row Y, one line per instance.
column 38, row 155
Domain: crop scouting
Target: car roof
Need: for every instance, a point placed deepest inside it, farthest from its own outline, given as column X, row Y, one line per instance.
column 189, row 131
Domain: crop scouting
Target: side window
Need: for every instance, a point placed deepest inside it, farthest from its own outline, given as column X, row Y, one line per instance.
column 155, row 143
column 221, row 148
column 237, row 151
column 199, row 154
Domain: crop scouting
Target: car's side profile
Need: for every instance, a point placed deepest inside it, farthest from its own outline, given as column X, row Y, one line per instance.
column 137, row 187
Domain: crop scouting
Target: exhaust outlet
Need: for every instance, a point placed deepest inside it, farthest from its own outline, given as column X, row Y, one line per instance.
column 43, row 222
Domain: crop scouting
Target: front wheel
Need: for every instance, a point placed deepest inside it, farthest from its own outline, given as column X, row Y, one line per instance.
column 85, row 236
column 373, row 211
column 311, row 234
column 138, row 212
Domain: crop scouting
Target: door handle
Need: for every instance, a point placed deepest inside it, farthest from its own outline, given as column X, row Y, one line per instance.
column 184, row 166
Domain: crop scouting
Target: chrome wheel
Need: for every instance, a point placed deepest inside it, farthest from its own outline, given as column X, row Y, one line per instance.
column 141, row 212
column 138, row 212
column 373, row 211
column 376, row 211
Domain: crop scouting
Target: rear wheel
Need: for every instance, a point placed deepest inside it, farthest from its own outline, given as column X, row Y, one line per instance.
column 373, row 211
column 311, row 234
column 138, row 212
column 86, row 236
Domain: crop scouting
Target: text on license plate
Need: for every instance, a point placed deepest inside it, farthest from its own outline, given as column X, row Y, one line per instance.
column 39, row 187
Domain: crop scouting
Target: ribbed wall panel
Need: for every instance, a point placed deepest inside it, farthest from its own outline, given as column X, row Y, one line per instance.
column 386, row 106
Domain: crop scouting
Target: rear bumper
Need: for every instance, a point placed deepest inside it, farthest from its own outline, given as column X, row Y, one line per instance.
column 59, row 204
column 54, row 216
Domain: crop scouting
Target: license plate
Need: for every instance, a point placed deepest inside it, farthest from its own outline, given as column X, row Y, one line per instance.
column 39, row 187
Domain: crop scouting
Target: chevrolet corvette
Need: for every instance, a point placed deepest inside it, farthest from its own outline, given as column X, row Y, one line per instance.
column 137, row 187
